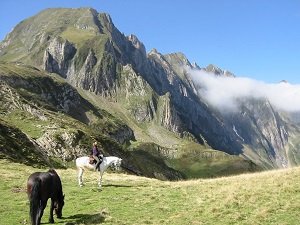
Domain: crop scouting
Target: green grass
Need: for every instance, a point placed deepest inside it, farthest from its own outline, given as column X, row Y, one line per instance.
column 27, row 123
column 75, row 35
column 261, row 198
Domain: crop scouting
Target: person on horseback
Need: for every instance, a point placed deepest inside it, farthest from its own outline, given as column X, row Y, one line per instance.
column 97, row 155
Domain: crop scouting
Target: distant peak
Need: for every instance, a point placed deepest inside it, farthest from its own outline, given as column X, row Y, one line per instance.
column 214, row 69
column 217, row 71
column 195, row 65
column 153, row 51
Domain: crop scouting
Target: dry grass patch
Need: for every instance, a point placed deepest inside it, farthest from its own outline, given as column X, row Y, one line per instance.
column 262, row 198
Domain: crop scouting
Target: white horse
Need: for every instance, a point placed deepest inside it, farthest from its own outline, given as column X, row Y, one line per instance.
column 83, row 163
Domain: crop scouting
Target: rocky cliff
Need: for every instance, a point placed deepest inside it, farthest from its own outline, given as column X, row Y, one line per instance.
column 149, row 92
column 46, row 122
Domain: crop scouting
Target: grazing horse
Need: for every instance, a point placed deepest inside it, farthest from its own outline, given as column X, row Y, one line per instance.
column 84, row 163
column 40, row 187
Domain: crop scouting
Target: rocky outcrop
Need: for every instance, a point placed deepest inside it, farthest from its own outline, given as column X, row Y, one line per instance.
column 61, row 144
column 57, row 56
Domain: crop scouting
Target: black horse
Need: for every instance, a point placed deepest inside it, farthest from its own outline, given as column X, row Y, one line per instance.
column 40, row 187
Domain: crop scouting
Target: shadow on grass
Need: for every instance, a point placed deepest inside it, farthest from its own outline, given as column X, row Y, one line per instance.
column 82, row 219
column 99, row 189
column 116, row 185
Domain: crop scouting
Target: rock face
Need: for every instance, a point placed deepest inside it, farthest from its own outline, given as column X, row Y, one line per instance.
column 60, row 124
column 269, row 136
column 87, row 50
column 57, row 55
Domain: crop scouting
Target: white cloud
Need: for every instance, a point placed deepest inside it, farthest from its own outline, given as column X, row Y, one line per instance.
column 222, row 92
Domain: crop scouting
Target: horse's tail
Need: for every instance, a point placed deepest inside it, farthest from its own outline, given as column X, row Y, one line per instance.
column 35, row 199
column 77, row 162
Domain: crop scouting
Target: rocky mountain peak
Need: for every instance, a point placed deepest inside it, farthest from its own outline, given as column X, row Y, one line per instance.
column 136, row 43
column 217, row 71
column 90, row 53
column 213, row 69
column 195, row 65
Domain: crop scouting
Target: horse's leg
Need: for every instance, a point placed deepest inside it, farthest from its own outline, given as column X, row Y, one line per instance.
column 37, row 217
column 100, row 178
column 41, row 211
column 80, row 177
column 51, row 220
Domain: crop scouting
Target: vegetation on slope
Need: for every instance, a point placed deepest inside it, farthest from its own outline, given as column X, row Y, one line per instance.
column 17, row 147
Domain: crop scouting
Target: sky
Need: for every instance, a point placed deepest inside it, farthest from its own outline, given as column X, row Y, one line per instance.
column 255, row 39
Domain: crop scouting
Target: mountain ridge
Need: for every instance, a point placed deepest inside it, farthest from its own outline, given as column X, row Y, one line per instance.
column 151, row 88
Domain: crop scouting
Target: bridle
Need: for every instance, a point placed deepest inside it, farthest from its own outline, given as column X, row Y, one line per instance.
column 116, row 165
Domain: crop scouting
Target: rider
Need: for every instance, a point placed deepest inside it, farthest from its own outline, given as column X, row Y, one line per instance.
column 97, row 155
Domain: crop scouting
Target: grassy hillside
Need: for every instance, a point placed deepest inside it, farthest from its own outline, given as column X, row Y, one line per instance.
column 261, row 198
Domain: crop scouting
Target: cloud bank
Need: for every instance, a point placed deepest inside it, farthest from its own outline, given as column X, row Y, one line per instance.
column 223, row 92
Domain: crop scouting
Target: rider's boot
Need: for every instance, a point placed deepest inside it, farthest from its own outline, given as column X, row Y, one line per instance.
column 97, row 167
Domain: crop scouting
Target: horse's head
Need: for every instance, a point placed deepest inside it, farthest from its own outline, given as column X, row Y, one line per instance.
column 58, row 206
column 117, row 164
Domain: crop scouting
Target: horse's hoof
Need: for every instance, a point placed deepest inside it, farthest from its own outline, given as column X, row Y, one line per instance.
column 51, row 221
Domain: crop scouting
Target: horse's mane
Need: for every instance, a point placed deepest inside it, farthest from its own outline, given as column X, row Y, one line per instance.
column 60, row 192
column 52, row 171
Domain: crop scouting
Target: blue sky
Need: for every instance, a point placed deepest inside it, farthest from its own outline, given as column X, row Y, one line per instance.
column 258, row 39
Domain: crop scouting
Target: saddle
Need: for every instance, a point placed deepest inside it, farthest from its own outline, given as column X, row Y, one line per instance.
column 93, row 161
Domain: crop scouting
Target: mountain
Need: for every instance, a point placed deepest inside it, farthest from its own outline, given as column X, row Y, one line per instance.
column 76, row 66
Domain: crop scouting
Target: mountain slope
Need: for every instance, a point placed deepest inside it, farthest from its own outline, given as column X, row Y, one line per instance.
column 45, row 121
column 151, row 96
